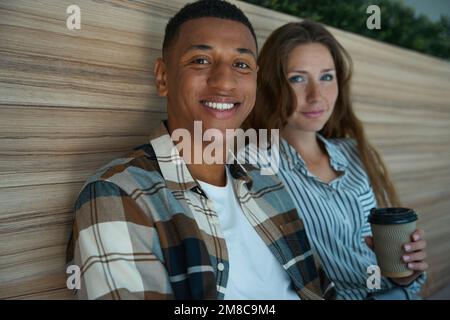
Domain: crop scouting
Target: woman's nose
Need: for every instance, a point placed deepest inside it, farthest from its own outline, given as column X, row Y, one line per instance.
column 313, row 91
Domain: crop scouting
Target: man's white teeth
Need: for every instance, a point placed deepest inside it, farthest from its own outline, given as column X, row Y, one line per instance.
column 219, row 106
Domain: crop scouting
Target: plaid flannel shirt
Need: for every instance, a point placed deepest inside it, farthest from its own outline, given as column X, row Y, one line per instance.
column 144, row 229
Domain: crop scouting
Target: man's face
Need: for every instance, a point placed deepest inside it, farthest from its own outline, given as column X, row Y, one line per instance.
column 209, row 74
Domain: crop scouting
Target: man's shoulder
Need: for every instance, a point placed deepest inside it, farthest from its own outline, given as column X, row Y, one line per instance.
column 133, row 170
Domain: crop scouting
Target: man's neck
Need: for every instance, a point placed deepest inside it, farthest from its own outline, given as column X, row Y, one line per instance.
column 210, row 173
column 213, row 173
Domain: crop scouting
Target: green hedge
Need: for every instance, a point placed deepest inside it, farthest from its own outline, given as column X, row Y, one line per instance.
column 399, row 25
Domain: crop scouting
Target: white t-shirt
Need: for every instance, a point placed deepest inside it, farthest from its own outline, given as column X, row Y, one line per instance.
column 255, row 273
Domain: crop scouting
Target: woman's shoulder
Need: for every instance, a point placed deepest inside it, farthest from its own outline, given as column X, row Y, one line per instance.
column 344, row 142
column 348, row 147
column 345, row 145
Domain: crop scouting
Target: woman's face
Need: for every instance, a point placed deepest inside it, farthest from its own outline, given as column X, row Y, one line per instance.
column 312, row 75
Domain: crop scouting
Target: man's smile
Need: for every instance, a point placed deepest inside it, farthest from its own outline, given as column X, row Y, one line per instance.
column 220, row 103
column 220, row 106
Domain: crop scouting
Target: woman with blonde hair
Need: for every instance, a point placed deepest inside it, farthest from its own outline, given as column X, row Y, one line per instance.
column 326, row 162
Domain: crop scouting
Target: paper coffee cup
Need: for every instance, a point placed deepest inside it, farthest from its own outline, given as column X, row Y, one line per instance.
column 391, row 230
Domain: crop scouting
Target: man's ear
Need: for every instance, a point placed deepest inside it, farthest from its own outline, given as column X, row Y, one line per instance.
column 160, row 74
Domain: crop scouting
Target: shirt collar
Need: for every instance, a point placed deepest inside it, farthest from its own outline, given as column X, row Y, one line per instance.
column 291, row 159
column 337, row 158
column 173, row 167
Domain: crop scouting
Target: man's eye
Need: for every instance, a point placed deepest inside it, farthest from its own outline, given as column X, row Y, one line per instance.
column 327, row 77
column 200, row 61
column 241, row 65
column 296, row 79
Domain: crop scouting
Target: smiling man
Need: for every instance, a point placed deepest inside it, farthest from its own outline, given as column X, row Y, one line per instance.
column 208, row 73
column 153, row 225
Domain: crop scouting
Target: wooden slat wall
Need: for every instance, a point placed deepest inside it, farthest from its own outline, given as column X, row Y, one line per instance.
column 73, row 100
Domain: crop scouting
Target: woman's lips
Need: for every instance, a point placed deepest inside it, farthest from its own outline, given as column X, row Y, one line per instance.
column 313, row 114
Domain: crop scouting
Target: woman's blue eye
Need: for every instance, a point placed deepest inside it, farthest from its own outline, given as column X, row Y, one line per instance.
column 327, row 77
column 296, row 79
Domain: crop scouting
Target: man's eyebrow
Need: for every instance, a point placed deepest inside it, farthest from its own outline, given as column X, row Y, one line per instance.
column 205, row 47
column 202, row 47
column 246, row 51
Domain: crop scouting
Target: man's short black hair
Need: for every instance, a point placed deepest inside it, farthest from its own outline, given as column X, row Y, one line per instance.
column 204, row 9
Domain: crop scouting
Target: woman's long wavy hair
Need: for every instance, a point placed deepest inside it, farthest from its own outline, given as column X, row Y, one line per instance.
column 275, row 100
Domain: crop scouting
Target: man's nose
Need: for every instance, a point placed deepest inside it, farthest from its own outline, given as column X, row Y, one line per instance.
column 222, row 78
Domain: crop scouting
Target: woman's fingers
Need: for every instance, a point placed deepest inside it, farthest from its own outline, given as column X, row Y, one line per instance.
column 418, row 266
column 417, row 256
column 418, row 235
column 415, row 246
column 369, row 242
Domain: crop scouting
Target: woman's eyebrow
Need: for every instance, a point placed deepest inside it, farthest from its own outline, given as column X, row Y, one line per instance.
column 305, row 71
column 298, row 71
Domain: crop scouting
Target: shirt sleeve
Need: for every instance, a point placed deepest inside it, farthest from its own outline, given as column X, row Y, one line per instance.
column 116, row 247
column 416, row 286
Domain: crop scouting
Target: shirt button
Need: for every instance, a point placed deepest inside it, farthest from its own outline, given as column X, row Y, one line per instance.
column 220, row 266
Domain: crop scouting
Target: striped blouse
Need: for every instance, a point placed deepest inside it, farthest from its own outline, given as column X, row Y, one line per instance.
column 335, row 215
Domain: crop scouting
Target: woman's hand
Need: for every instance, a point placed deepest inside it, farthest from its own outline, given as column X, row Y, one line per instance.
column 414, row 257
